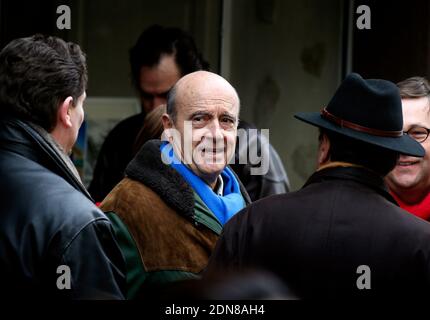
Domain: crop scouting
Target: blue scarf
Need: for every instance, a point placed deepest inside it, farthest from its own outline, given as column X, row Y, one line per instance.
column 224, row 207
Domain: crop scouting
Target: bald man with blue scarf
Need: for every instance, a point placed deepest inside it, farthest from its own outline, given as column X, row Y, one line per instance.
column 169, row 210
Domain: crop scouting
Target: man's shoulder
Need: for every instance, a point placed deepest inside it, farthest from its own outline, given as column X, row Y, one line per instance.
column 33, row 189
column 314, row 199
column 120, row 139
column 135, row 203
column 129, row 195
column 411, row 224
column 35, row 198
column 131, row 124
column 339, row 198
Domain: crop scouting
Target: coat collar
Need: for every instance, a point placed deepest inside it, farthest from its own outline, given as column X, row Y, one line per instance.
column 147, row 168
column 34, row 143
column 359, row 175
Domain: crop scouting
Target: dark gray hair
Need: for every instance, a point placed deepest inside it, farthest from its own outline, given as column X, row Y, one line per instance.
column 414, row 87
column 373, row 157
column 171, row 104
column 36, row 74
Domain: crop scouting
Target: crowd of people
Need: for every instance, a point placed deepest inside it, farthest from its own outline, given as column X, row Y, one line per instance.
column 176, row 200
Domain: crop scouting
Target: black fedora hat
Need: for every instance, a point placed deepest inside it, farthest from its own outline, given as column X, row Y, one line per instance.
column 369, row 110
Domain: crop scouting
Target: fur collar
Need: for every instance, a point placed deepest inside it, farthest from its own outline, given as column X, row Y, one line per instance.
column 148, row 169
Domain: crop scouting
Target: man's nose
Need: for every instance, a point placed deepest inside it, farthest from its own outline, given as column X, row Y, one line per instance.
column 216, row 130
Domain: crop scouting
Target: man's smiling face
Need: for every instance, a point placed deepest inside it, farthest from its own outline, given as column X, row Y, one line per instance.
column 413, row 173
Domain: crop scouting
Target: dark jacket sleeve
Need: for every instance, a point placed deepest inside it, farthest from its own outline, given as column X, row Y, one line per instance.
column 96, row 263
column 109, row 169
column 116, row 152
column 258, row 165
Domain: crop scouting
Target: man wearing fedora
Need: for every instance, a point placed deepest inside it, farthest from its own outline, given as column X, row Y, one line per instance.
column 342, row 234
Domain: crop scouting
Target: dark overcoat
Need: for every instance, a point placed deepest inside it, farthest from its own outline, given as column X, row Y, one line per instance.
column 326, row 239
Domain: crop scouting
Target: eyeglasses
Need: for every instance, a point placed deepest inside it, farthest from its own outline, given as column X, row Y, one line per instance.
column 419, row 134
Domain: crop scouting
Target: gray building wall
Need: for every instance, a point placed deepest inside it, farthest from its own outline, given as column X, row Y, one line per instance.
column 284, row 57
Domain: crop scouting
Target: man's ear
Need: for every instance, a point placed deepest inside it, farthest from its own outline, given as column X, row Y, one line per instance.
column 167, row 121
column 324, row 150
column 64, row 110
column 169, row 131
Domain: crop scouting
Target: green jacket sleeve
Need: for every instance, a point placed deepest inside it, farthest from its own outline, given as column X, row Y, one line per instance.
column 136, row 274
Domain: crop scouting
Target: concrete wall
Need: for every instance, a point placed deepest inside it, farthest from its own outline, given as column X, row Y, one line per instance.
column 283, row 57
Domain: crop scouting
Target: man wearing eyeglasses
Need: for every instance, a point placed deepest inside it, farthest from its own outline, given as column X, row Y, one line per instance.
column 409, row 182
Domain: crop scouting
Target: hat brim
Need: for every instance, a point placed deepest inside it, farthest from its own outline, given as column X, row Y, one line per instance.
column 404, row 144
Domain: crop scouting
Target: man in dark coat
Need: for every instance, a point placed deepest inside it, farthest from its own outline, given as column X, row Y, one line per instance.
column 342, row 234
column 54, row 242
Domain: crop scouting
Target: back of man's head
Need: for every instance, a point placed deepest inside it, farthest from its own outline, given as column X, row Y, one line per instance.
column 346, row 149
column 156, row 41
column 36, row 74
